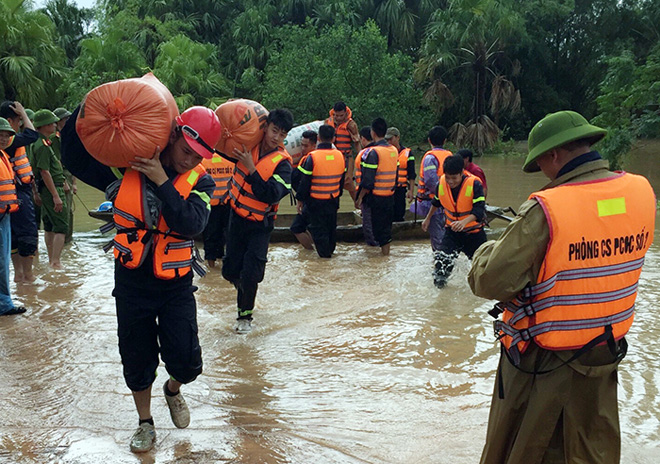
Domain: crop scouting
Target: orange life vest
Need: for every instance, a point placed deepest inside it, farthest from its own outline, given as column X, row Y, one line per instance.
column 137, row 233
column 220, row 170
column 21, row 166
column 386, row 171
column 328, row 168
column 462, row 207
column 8, row 198
column 404, row 156
column 440, row 154
column 343, row 139
column 357, row 172
column 241, row 196
column 588, row 280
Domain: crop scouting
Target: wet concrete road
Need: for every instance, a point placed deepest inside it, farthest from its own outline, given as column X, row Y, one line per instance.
column 354, row 360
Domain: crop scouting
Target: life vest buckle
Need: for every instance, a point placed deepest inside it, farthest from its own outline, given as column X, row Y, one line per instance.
column 529, row 309
column 132, row 236
column 497, row 310
column 525, row 334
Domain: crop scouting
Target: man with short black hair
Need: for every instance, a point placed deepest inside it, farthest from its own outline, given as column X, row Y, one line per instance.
column 346, row 138
column 320, row 187
column 405, row 183
column 300, row 222
column 376, row 191
column 472, row 167
column 430, row 172
column 261, row 179
column 462, row 198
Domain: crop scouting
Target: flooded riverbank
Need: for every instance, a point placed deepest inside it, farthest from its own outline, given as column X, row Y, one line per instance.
column 358, row 359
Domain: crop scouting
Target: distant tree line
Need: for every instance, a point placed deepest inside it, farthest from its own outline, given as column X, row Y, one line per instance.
column 487, row 69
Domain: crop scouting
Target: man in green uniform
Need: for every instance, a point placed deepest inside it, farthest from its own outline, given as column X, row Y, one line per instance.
column 51, row 174
column 556, row 405
column 70, row 188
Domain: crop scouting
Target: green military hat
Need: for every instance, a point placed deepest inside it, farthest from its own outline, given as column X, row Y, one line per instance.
column 30, row 114
column 62, row 113
column 5, row 126
column 44, row 117
column 555, row 130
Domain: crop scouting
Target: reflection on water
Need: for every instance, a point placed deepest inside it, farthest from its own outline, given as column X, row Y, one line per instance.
column 359, row 359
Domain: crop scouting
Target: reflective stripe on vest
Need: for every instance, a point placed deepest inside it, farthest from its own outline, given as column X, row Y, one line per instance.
column 588, row 279
column 21, row 166
column 8, row 198
column 462, row 207
column 386, row 172
column 220, row 170
column 343, row 140
column 357, row 172
column 440, row 154
column 136, row 233
column 329, row 166
column 241, row 196
column 402, row 180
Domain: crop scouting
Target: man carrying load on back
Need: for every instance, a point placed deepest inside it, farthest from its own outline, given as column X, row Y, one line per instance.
column 346, row 138
column 566, row 272
column 215, row 233
column 159, row 205
column 261, row 179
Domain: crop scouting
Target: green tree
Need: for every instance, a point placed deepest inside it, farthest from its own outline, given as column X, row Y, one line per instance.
column 469, row 39
column 190, row 71
column 102, row 59
column 629, row 103
column 32, row 64
column 309, row 73
column 72, row 25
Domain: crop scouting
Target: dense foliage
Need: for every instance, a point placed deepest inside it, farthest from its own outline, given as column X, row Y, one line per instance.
column 486, row 68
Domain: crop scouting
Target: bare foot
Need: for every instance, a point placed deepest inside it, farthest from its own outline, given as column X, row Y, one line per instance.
column 56, row 265
column 211, row 262
column 29, row 279
column 19, row 279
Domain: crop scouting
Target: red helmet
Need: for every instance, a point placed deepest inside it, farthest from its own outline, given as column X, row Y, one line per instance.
column 201, row 129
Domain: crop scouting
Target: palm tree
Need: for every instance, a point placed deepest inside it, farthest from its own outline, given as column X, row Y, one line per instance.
column 31, row 66
column 72, row 24
column 470, row 37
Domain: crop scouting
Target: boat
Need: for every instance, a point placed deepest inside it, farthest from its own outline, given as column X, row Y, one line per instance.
column 349, row 225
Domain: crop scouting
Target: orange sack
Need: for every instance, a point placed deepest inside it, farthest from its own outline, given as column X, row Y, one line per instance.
column 123, row 119
column 243, row 123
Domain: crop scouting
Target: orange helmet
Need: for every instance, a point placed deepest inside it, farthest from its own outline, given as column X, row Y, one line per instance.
column 201, row 129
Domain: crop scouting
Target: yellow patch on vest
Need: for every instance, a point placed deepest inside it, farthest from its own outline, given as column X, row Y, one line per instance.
column 468, row 191
column 611, row 207
column 192, row 177
column 329, row 157
column 277, row 158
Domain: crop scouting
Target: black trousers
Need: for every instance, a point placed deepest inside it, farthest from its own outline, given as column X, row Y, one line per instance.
column 381, row 217
column 399, row 204
column 163, row 322
column 452, row 244
column 215, row 233
column 323, row 227
column 244, row 264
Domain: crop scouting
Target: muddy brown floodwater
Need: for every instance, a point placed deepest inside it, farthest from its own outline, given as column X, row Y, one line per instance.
column 358, row 359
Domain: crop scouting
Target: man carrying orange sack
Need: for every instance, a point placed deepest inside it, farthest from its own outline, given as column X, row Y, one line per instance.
column 346, row 138
column 215, row 233
column 159, row 205
column 261, row 179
